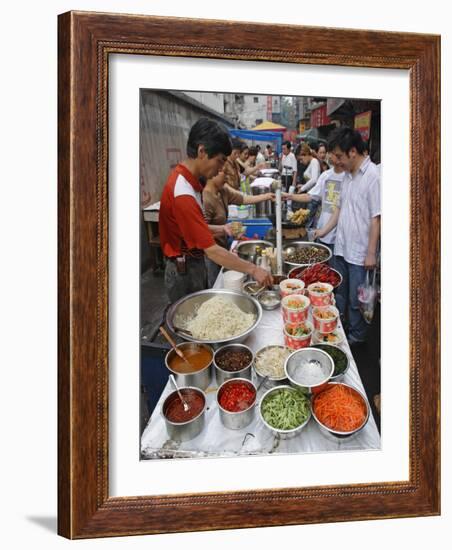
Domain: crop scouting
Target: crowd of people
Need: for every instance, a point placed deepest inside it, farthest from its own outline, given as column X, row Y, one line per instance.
column 338, row 182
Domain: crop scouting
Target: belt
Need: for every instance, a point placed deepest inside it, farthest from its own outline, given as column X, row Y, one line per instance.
column 174, row 258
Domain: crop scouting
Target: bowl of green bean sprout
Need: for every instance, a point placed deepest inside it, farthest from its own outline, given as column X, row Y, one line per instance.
column 285, row 411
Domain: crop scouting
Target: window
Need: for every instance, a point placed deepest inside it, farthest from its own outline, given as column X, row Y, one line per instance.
column 256, row 99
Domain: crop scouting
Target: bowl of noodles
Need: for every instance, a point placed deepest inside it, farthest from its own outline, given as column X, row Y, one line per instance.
column 214, row 316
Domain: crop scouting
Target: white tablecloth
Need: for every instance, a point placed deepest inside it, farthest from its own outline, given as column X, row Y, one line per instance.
column 216, row 440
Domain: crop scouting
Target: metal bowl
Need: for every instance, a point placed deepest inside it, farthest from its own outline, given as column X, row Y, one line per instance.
column 240, row 419
column 335, row 435
column 340, row 376
column 187, row 306
column 198, row 379
column 247, row 288
column 184, row 431
column 223, row 375
column 269, row 382
column 297, row 271
column 319, row 338
column 308, row 354
column 269, row 172
column 247, row 249
column 270, row 294
column 283, row 434
column 290, row 248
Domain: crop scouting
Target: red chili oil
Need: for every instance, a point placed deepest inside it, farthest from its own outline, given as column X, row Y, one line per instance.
column 174, row 409
column 237, row 396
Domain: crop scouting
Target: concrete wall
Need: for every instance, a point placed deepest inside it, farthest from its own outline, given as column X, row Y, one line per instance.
column 165, row 122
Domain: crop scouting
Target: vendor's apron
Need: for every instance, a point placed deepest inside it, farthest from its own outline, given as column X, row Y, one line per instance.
column 194, row 279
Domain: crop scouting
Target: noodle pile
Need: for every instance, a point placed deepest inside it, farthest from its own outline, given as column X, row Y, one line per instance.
column 219, row 318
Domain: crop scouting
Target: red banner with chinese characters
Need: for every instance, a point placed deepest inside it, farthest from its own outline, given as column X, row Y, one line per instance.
column 290, row 135
column 269, row 107
column 362, row 124
column 319, row 117
column 303, row 126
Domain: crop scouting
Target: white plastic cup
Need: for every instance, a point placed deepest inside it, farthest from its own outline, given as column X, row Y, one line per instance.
column 233, row 280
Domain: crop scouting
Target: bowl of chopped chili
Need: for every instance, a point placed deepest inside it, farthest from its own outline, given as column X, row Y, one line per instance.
column 317, row 273
column 236, row 399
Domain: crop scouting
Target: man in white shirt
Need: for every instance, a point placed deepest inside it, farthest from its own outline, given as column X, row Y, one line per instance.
column 260, row 157
column 358, row 225
column 288, row 166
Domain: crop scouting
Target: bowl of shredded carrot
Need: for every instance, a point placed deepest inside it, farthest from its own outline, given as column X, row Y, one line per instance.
column 340, row 410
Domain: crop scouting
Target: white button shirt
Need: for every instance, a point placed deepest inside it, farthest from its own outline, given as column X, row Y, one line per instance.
column 359, row 203
column 289, row 164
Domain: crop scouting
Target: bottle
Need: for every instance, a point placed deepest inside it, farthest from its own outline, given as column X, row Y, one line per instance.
column 289, row 203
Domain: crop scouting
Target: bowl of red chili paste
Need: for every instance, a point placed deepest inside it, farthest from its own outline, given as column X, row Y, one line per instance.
column 184, row 425
column 236, row 399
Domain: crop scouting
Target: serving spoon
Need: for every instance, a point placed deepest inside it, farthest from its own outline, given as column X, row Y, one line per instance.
column 183, row 331
column 174, row 346
column 179, row 393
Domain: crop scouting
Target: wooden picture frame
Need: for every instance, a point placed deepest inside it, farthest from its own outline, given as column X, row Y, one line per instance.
column 85, row 42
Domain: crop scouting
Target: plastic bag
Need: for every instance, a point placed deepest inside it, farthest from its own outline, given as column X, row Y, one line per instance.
column 367, row 296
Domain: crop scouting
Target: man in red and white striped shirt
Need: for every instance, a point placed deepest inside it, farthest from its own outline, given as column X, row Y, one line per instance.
column 185, row 236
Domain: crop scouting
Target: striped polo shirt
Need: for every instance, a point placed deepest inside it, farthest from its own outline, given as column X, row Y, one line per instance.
column 182, row 227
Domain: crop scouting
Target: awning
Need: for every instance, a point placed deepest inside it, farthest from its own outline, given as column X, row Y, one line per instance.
column 333, row 105
column 267, row 137
column 310, row 136
column 269, row 126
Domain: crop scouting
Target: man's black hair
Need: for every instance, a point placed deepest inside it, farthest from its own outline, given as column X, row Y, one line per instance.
column 316, row 145
column 345, row 139
column 237, row 143
column 253, row 151
column 212, row 135
column 287, row 144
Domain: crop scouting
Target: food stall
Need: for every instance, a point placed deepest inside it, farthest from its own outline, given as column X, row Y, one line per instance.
column 296, row 317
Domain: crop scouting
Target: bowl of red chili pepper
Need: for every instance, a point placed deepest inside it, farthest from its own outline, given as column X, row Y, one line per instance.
column 236, row 399
column 317, row 273
column 340, row 410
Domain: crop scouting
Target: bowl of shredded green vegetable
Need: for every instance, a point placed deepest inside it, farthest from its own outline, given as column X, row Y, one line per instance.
column 339, row 357
column 285, row 411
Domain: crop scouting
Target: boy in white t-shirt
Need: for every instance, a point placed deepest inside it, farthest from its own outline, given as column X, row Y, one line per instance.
column 327, row 190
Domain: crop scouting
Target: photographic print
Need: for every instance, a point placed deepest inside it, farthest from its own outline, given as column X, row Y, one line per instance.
column 260, row 274
column 245, row 281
